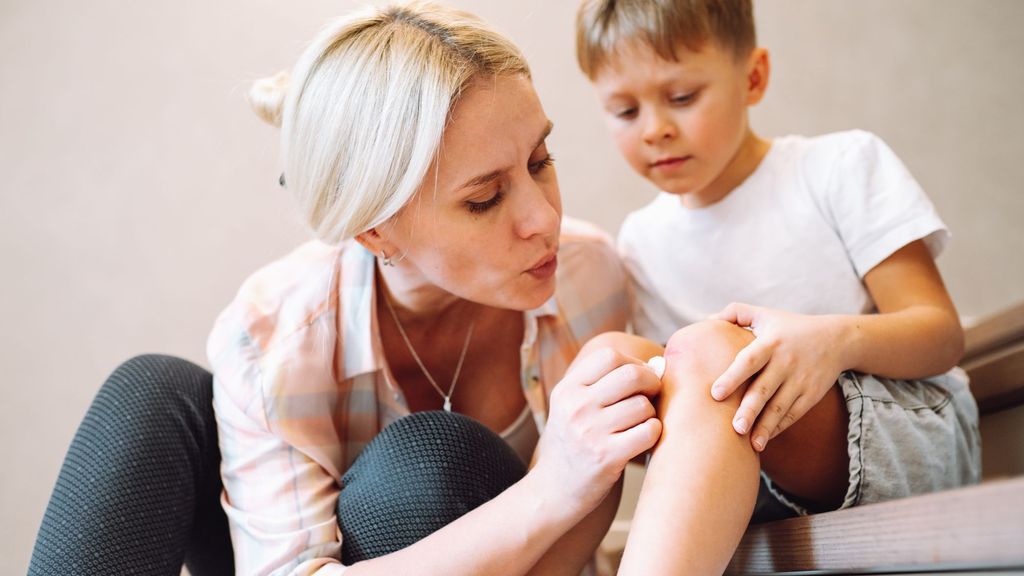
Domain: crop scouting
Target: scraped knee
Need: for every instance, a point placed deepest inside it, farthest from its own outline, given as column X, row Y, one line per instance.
column 702, row 351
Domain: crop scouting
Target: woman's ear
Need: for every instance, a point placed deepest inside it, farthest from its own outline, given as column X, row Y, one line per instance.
column 758, row 69
column 375, row 243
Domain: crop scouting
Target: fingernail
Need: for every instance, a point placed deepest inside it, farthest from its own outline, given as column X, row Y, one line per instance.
column 717, row 392
column 759, row 443
column 740, row 424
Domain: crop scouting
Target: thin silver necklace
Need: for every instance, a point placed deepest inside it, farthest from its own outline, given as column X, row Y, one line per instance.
column 458, row 368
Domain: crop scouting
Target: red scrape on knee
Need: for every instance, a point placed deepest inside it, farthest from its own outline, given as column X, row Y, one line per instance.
column 673, row 350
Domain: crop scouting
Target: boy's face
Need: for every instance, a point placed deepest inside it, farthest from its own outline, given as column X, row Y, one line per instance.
column 683, row 125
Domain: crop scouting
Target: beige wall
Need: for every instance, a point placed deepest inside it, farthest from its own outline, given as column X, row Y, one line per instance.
column 138, row 191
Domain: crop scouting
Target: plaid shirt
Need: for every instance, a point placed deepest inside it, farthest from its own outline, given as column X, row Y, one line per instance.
column 300, row 385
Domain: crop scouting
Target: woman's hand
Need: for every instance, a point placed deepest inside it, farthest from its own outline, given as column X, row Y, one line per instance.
column 600, row 417
column 794, row 360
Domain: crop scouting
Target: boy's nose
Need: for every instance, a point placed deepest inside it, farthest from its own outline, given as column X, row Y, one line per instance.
column 659, row 127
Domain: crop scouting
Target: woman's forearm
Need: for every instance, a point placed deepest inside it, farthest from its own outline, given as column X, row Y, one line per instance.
column 507, row 535
column 571, row 553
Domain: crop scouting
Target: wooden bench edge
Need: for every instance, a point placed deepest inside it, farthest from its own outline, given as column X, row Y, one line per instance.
column 977, row 527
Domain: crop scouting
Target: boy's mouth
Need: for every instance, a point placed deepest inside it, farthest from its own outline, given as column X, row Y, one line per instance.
column 670, row 162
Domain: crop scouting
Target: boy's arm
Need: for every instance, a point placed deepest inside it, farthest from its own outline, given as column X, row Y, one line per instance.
column 917, row 331
column 796, row 358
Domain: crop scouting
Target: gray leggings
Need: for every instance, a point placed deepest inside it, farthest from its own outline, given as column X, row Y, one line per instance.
column 139, row 489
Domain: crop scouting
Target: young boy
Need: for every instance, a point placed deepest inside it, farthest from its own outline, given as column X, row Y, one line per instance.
column 823, row 247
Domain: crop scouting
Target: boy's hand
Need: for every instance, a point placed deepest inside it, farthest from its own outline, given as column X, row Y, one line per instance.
column 794, row 360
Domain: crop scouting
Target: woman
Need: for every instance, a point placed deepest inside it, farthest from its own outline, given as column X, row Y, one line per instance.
column 442, row 279
column 433, row 286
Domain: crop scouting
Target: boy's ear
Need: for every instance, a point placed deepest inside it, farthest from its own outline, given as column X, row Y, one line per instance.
column 758, row 69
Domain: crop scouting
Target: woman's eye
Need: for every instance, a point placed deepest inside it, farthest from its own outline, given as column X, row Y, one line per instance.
column 538, row 166
column 485, row 205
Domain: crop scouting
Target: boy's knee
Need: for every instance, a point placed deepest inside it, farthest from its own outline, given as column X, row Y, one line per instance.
column 695, row 356
column 705, row 349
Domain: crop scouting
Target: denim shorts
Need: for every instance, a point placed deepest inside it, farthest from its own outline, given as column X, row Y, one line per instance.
column 905, row 437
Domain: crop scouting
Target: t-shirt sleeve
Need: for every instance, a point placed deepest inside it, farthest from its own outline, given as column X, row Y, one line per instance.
column 280, row 503
column 876, row 205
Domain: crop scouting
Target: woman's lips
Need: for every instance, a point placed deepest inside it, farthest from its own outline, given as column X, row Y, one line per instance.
column 546, row 268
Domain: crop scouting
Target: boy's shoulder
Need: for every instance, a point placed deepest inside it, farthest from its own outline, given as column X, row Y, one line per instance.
column 803, row 167
column 853, row 148
column 824, row 147
column 842, row 138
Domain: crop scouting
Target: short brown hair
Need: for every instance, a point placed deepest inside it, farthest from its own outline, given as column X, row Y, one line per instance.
column 662, row 25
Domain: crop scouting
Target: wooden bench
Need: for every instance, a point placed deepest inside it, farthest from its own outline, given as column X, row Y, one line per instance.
column 975, row 528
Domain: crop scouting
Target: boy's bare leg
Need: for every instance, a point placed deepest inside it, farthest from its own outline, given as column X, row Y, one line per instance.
column 811, row 459
column 665, row 540
column 702, row 479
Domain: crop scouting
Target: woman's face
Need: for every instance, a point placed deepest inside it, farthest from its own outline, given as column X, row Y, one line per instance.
column 484, row 225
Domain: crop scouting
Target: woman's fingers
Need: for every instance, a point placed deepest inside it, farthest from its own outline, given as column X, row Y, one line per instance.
column 595, row 365
column 748, row 362
column 624, row 381
column 634, row 441
column 627, row 413
column 600, row 417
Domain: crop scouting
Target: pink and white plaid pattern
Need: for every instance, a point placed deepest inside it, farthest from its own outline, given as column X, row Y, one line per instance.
column 300, row 386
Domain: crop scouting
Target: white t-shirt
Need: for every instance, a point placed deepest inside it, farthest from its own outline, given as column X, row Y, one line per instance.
column 799, row 234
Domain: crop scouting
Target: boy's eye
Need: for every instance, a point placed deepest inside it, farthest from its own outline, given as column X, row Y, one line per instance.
column 625, row 113
column 542, row 164
column 683, row 98
column 485, row 205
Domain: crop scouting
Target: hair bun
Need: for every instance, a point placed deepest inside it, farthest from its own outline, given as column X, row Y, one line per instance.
column 267, row 97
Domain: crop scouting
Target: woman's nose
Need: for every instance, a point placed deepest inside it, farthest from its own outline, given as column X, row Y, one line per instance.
column 541, row 213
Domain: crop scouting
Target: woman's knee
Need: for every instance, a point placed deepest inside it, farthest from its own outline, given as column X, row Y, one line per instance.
column 156, row 386
column 152, row 403
column 159, row 378
column 420, row 473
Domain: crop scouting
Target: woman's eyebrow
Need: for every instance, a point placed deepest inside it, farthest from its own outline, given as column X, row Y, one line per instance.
column 544, row 135
column 482, row 179
column 495, row 174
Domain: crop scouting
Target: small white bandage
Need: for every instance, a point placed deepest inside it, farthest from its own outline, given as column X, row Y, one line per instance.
column 657, row 364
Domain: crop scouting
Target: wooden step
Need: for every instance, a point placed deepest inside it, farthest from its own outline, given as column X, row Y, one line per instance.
column 975, row 528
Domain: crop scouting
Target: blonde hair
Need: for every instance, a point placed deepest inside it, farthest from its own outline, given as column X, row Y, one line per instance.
column 364, row 109
column 601, row 26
